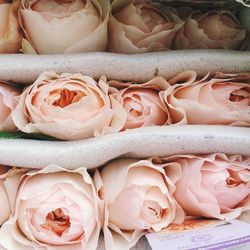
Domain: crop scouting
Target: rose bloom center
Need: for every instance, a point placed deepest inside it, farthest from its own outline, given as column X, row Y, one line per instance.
column 134, row 106
column 57, row 222
column 233, row 180
column 65, row 97
column 151, row 17
column 240, row 95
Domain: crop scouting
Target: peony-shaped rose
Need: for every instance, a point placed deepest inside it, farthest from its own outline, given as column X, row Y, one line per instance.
column 215, row 185
column 216, row 29
column 220, row 99
column 68, row 107
column 55, row 209
column 64, row 26
column 139, row 199
column 10, row 31
column 140, row 27
column 8, row 101
column 9, row 182
column 141, row 102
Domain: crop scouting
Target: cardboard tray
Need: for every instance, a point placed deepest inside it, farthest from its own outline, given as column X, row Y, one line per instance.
column 25, row 69
column 139, row 143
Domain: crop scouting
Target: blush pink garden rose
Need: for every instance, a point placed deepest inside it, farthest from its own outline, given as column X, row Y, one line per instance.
column 59, row 26
column 55, row 209
column 9, row 182
column 139, row 199
column 216, row 29
column 10, row 32
column 221, row 99
column 8, row 101
column 68, row 107
column 140, row 26
column 141, row 102
column 215, row 185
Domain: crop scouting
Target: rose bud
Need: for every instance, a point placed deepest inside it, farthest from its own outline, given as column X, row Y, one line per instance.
column 58, row 26
column 55, row 209
column 216, row 185
column 9, row 182
column 139, row 199
column 221, row 99
column 68, row 107
column 216, row 29
column 141, row 27
column 8, row 101
column 10, row 32
column 141, row 102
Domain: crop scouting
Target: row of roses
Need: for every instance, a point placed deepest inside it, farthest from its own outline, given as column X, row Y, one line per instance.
column 62, row 26
column 73, row 106
column 55, row 208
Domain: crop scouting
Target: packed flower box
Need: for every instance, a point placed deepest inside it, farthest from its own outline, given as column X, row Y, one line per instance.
column 123, row 119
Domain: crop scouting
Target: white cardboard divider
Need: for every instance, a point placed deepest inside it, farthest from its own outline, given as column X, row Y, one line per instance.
column 139, row 143
column 25, row 69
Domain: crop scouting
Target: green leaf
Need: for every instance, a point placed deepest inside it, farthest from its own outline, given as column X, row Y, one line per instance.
column 21, row 135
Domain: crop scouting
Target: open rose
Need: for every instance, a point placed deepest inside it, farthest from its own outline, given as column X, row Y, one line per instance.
column 59, row 26
column 8, row 102
column 9, row 182
column 215, row 185
column 140, row 27
column 68, row 107
column 55, row 209
column 10, row 34
column 216, row 29
column 141, row 102
column 222, row 99
column 139, row 199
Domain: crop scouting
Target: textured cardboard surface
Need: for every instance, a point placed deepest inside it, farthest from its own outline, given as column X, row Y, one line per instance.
column 26, row 68
column 140, row 143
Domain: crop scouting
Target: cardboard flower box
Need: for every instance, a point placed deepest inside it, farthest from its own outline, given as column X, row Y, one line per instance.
column 72, row 182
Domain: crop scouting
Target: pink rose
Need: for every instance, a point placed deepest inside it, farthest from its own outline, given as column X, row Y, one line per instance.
column 139, row 27
column 58, row 26
column 141, row 102
column 139, row 199
column 68, row 107
column 9, row 182
column 216, row 29
column 8, row 102
column 215, row 185
column 222, row 99
column 10, row 35
column 55, row 209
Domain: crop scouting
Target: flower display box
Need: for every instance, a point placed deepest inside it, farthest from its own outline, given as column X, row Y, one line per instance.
column 92, row 127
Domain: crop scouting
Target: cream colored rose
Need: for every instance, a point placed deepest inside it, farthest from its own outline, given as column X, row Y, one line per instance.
column 139, row 199
column 10, row 32
column 217, row 29
column 58, row 26
column 140, row 27
column 55, row 209
column 141, row 102
column 215, row 185
column 68, row 107
column 9, row 183
column 8, row 101
column 221, row 99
